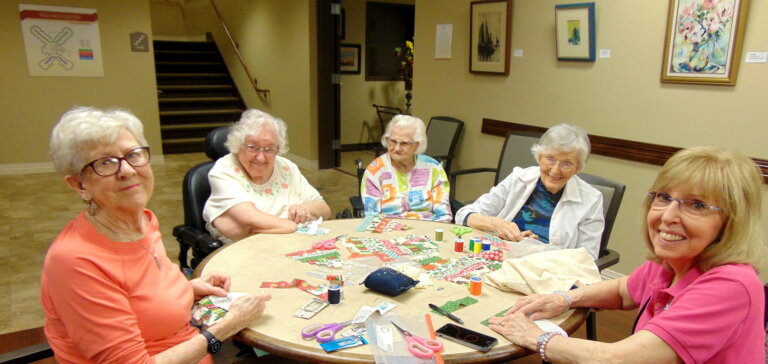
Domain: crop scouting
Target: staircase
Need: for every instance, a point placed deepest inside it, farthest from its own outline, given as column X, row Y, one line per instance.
column 195, row 93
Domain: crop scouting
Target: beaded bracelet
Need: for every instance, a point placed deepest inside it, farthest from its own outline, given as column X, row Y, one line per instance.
column 541, row 343
column 567, row 297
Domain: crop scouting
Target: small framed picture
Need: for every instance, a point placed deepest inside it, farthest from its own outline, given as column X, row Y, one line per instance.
column 490, row 31
column 349, row 59
column 575, row 29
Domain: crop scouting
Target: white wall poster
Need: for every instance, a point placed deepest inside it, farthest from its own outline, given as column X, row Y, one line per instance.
column 61, row 41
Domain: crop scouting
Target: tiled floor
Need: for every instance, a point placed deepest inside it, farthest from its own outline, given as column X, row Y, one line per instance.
column 35, row 207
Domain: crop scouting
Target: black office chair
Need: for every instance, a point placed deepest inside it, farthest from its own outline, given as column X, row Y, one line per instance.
column 357, row 201
column 195, row 192
column 442, row 136
column 515, row 153
column 385, row 114
column 613, row 193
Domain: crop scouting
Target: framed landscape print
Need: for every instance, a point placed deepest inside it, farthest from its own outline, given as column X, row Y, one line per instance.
column 349, row 58
column 703, row 41
column 490, row 30
column 575, row 29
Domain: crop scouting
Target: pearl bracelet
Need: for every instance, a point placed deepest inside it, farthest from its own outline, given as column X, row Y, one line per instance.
column 541, row 343
column 567, row 297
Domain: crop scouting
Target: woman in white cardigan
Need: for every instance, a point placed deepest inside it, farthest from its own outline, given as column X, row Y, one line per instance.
column 547, row 202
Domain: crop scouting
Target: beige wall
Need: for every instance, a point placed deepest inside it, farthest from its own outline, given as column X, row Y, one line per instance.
column 277, row 40
column 359, row 122
column 31, row 105
column 167, row 19
column 619, row 97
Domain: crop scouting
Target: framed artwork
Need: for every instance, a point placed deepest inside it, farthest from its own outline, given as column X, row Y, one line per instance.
column 490, row 34
column 703, row 41
column 349, row 59
column 575, row 32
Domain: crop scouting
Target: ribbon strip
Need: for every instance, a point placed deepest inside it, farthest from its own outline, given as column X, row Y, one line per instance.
column 319, row 291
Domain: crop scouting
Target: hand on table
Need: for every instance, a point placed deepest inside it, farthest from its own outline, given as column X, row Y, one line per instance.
column 248, row 308
column 216, row 284
column 539, row 306
column 517, row 328
column 299, row 213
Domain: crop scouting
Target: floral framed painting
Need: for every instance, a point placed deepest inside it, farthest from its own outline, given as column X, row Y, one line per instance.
column 575, row 30
column 490, row 30
column 703, row 43
column 349, row 59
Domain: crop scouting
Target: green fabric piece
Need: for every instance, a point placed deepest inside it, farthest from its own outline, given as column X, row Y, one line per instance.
column 497, row 315
column 451, row 306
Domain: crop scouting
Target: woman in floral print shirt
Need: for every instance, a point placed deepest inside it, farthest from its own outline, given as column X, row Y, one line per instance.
column 403, row 182
column 253, row 189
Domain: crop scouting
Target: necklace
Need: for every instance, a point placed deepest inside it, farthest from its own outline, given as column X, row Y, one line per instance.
column 157, row 261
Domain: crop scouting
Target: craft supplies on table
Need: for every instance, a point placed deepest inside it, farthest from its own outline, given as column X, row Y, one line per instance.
column 419, row 346
column 334, row 294
column 476, row 286
column 458, row 246
column 438, row 234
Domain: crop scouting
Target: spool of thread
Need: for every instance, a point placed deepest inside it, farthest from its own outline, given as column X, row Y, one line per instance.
column 439, row 234
column 334, row 294
column 477, row 247
column 459, row 245
column 486, row 246
column 471, row 244
column 475, row 286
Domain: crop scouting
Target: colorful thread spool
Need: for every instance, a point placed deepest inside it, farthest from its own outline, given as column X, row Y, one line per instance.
column 439, row 234
column 486, row 246
column 471, row 244
column 334, row 294
column 459, row 245
column 475, row 286
column 477, row 247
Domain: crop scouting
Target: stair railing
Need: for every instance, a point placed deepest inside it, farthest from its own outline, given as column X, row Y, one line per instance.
column 264, row 93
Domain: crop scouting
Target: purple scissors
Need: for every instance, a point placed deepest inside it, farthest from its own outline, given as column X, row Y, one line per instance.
column 419, row 346
column 323, row 332
column 327, row 244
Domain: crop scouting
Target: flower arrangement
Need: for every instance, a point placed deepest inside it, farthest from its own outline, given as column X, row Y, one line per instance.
column 704, row 30
column 405, row 55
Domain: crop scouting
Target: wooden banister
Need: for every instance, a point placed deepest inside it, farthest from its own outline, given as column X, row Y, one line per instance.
column 264, row 93
column 612, row 147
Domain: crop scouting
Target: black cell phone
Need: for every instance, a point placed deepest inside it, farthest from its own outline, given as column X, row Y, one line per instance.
column 463, row 336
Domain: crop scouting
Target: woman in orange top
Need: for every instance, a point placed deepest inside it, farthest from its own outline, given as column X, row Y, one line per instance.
column 109, row 291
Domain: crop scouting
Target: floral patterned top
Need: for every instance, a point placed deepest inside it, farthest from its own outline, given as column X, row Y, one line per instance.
column 421, row 194
column 231, row 186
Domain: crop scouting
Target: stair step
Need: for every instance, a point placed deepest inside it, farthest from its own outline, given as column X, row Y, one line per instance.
column 190, row 75
column 171, row 100
column 188, row 63
column 193, row 126
column 195, row 87
column 200, row 112
column 164, row 51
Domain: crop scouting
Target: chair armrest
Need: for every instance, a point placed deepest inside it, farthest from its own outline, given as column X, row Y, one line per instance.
column 196, row 239
column 607, row 260
column 470, row 171
column 28, row 354
column 357, row 206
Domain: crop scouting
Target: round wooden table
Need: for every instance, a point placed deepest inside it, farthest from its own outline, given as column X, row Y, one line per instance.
column 262, row 258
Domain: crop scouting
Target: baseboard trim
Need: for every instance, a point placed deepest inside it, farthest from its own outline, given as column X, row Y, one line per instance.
column 47, row 167
column 303, row 162
column 608, row 274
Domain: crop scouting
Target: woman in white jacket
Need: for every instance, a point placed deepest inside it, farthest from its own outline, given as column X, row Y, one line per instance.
column 547, row 202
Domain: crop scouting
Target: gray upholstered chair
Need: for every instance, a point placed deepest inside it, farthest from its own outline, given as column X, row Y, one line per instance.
column 442, row 136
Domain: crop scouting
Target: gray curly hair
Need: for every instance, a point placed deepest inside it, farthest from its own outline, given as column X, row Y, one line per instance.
column 406, row 121
column 82, row 127
column 251, row 123
column 564, row 138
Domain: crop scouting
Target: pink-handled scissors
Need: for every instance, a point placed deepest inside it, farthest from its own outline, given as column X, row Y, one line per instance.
column 419, row 346
column 327, row 244
column 323, row 332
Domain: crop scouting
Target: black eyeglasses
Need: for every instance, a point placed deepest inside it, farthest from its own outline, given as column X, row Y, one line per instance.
column 108, row 166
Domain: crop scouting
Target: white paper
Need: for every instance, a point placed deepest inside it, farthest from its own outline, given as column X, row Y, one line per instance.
column 443, row 39
column 756, row 57
column 605, row 53
column 518, row 52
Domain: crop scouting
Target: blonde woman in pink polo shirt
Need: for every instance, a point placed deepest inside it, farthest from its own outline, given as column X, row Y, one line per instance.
column 699, row 297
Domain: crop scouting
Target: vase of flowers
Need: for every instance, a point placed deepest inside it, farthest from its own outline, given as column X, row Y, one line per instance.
column 703, row 30
column 405, row 57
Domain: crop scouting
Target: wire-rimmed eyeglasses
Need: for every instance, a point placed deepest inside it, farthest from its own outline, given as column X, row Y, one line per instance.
column 252, row 149
column 692, row 207
column 108, row 166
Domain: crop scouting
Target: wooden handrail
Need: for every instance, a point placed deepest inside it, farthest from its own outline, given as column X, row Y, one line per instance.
column 264, row 93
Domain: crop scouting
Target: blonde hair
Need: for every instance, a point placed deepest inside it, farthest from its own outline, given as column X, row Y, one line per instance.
column 732, row 181
column 81, row 127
